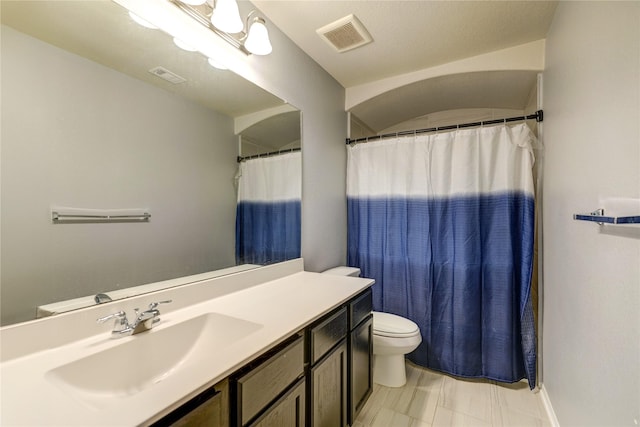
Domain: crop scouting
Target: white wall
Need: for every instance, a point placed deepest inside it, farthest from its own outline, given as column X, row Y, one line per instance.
column 77, row 134
column 591, row 330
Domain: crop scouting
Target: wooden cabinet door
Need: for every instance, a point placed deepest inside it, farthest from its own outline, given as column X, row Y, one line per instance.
column 288, row 411
column 360, row 367
column 328, row 389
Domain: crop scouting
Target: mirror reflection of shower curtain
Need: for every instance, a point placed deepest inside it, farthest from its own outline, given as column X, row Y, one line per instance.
column 444, row 223
column 268, row 209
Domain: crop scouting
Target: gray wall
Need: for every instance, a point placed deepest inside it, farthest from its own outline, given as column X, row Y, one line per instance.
column 591, row 359
column 77, row 134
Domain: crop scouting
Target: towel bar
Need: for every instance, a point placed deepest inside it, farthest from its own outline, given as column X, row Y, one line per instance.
column 61, row 215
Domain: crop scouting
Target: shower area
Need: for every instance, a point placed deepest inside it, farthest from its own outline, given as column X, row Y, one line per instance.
column 268, row 185
column 443, row 194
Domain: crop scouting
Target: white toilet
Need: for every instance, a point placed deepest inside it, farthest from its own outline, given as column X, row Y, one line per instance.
column 393, row 338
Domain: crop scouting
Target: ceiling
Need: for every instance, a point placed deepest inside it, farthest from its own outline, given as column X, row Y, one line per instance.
column 407, row 36
column 416, row 35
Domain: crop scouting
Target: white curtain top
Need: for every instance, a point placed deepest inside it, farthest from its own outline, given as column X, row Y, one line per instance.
column 496, row 159
column 270, row 179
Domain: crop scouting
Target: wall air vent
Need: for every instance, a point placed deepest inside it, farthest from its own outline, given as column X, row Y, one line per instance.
column 167, row 75
column 345, row 34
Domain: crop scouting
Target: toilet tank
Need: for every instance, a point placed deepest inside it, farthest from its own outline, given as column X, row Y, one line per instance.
column 344, row 271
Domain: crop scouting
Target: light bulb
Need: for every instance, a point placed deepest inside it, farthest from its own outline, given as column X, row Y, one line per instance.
column 258, row 38
column 226, row 16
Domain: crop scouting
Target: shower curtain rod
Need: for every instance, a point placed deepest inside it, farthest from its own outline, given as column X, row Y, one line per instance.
column 538, row 115
column 269, row 154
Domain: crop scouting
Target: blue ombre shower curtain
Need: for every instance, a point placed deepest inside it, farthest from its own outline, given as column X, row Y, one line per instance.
column 268, row 209
column 444, row 223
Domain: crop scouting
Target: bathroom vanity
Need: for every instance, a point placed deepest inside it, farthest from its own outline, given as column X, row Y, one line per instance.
column 266, row 347
column 320, row 376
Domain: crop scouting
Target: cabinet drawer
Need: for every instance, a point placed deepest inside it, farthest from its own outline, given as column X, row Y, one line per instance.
column 210, row 408
column 256, row 389
column 327, row 334
column 360, row 308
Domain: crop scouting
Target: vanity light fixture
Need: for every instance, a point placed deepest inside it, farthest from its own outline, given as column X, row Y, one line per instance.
column 223, row 18
column 179, row 43
column 257, row 41
column 226, row 16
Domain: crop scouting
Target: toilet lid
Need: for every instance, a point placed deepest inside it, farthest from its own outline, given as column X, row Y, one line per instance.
column 391, row 325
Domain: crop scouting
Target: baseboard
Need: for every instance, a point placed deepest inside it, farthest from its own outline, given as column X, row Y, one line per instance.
column 548, row 407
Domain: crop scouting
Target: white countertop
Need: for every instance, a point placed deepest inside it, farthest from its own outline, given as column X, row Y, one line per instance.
column 281, row 307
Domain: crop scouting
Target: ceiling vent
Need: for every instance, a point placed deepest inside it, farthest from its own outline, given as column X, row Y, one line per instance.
column 169, row 76
column 345, row 34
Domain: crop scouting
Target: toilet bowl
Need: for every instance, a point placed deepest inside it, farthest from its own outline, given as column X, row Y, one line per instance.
column 393, row 337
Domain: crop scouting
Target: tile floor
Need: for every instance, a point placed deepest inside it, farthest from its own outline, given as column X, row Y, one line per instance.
column 433, row 399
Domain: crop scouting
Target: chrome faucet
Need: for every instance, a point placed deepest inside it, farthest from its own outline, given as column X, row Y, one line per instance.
column 143, row 322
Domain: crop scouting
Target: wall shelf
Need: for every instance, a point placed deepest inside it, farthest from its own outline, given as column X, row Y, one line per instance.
column 599, row 217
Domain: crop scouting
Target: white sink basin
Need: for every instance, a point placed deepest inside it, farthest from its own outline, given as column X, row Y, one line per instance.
column 149, row 357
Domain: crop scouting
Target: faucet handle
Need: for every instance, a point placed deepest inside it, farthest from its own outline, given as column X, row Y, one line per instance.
column 120, row 325
column 153, row 305
column 120, row 316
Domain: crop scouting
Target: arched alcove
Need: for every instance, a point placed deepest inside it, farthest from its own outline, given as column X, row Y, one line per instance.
column 447, row 99
column 279, row 131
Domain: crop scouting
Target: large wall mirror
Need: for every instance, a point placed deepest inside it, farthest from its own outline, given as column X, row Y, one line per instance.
column 90, row 123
